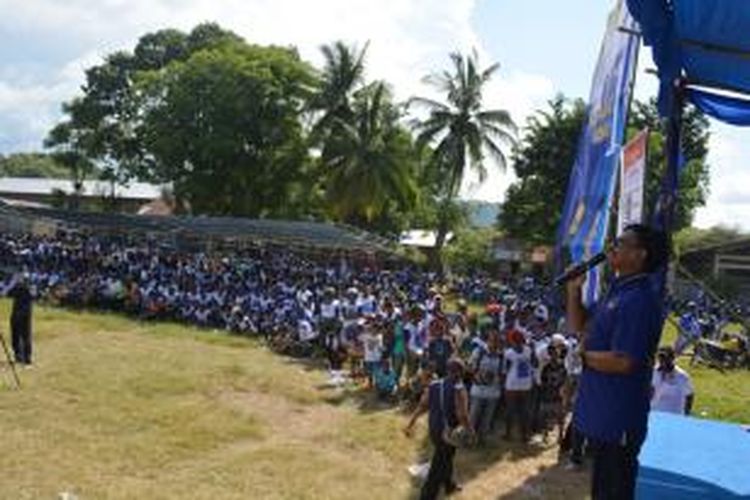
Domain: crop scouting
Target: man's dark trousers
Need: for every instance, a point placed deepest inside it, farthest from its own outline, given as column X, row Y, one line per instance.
column 21, row 338
column 615, row 468
column 441, row 470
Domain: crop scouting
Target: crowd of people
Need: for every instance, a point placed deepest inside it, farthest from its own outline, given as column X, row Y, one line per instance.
column 704, row 327
column 392, row 331
column 389, row 329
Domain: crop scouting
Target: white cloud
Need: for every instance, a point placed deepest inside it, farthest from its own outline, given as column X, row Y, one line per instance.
column 729, row 159
column 408, row 39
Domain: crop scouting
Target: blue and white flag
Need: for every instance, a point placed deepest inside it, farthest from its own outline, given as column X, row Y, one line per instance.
column 587, row 211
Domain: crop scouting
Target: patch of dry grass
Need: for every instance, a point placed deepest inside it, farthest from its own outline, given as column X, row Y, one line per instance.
column 118, row 409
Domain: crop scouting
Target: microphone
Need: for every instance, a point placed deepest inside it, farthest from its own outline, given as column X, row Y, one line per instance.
column 581, row 268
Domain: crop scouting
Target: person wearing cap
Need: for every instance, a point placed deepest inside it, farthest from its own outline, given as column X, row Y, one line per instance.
column 618, row 348
column 672, row 389
column 447, row 403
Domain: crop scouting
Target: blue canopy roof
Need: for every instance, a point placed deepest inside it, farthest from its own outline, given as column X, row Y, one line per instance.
column 708, row 43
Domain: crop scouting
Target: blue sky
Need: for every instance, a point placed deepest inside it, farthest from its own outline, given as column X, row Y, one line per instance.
column 544, row 47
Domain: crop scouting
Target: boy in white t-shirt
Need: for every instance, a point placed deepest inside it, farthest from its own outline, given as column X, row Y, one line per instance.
column 519, row 379
column 372, row 343
column 671, row 385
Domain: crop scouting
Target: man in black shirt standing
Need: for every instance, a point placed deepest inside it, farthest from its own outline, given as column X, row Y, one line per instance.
column 20, row 321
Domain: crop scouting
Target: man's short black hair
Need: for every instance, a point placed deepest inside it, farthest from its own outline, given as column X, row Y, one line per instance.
column 654, row 242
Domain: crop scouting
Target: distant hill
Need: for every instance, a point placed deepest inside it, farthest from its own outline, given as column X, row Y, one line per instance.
column 482, row 213
column 32, row 165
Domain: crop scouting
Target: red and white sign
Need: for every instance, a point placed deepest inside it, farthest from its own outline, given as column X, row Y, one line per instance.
column 632, row 178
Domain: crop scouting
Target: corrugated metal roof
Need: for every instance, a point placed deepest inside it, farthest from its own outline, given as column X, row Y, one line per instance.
column 421, row 238
column 46, row 187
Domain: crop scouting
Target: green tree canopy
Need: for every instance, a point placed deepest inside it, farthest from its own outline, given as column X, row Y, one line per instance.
column 370, row 161
column 694, row 179
column 543, row 163
column 101, row 125
column 223, row 127
column 32, row 165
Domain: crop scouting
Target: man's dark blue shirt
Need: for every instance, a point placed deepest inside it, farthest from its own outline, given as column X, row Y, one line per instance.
column 628, row 320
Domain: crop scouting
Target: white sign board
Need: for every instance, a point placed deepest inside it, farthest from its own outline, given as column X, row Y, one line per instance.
column 632, row 178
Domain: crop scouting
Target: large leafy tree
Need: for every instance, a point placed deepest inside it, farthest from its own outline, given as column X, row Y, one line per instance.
column 694, row 179
column 101, row 125
column 542, row 163
column 462, row 132
column 224, row 127
column 544, row 160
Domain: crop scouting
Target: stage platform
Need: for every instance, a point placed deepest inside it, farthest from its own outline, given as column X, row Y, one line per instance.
column 688, row 458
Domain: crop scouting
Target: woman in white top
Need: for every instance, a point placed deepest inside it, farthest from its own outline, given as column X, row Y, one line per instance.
column 671, row 386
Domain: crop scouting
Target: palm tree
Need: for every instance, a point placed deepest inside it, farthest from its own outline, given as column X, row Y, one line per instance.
column 370, row 159
column 342, row 75
column 461, row 132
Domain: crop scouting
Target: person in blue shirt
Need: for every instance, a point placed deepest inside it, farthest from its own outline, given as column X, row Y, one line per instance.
column 447, row 404
column 618, row 347
column 440, row 348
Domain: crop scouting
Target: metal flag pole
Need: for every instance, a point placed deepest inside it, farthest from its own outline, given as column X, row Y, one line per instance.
column 10, row 361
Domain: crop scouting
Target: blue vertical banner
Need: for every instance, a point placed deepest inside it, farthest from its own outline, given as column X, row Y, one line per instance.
column 589, row 201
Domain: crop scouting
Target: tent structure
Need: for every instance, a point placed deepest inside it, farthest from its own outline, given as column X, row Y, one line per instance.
column 184, row 231
column 702, row 51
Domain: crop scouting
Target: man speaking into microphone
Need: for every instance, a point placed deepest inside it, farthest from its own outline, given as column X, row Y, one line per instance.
column 620, row 338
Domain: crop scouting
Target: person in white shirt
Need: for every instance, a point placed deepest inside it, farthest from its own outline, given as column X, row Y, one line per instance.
column 672, row 389
column 372, row 342
column 518, row 383
column 486, row 367
column 306, row 331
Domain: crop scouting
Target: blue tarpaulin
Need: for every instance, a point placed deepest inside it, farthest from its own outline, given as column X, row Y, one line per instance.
column 706, row 42
column 730, row 109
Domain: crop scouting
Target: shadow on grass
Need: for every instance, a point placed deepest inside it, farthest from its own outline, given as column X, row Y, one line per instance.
column 472, row 463
column 547, row 482
column 551, row 482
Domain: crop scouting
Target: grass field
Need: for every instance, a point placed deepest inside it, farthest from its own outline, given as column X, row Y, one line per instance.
column 118, row 409
column 718, row 396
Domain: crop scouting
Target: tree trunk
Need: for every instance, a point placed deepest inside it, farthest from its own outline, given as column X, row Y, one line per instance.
column 435, row 254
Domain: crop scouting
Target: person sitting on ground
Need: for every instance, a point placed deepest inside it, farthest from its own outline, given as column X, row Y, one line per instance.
column 385, row 380
column 672, row 387
column 417, row 385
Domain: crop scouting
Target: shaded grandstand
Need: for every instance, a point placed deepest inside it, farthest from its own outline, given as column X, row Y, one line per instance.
column 201, row 233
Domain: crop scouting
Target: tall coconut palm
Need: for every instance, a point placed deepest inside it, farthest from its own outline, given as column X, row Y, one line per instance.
column 370, row 159
column 342, row 76
column 461, row 131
